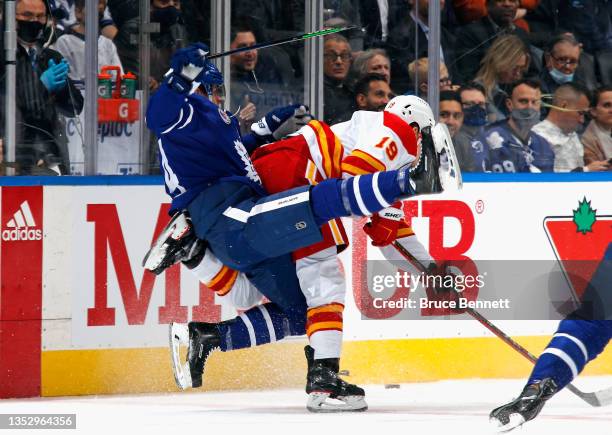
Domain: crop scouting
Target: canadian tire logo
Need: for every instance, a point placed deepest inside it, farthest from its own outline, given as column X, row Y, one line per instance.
column 22, row 226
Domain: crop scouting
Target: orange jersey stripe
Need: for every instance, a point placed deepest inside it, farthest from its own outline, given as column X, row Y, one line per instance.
column 329, row 308
column 223, row 280
column 371, row 160
column 404, row 232
column 330, row 148
column 336, row 326
column 353, row 170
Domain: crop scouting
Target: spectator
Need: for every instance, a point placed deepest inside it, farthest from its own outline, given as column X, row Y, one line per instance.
column 474, row 39
column 561, row 60
column 451, row 112
column 71, row 45
column 597, row 138
column 253, row 77
column 126, row 15
column 372, row 92
column 474, row 106
column 67, row 10
column 560, row 128
column 370, row 61
column 511, row 145
column 171, row 37
column 506, row 61
column 590, row 21
column 417, row 72
column 336, row 62
column 43, row 91
column 403, row 38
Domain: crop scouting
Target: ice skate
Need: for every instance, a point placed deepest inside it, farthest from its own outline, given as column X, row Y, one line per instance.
column 525, row 408
column 177, row 242
column 324, row 384
column 202, row 339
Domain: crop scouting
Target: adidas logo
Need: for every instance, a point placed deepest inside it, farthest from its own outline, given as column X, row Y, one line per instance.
column 20, row 227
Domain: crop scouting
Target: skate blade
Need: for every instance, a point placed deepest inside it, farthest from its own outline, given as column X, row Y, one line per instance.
column 179, row 334
column 322, row 403
column 515, row 420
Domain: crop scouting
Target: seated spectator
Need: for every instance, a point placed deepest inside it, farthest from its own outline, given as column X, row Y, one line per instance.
column 561, row 60
column 597, row 138
column 560, row 128
column 372, row 92
column 370, row 61
column 511, row 145
column 417, row 72
column 403, row 38
column 451, row 112
column 171, row 37
column 253, row 77
column 69, row 17
column 71, row 45
column 43, row 91
column 505, row 62
column 336, row 62
column 474, row 106
column 473, row 40
column 590, row 21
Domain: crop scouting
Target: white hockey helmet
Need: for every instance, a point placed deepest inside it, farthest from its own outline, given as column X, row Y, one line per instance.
column 412, row 109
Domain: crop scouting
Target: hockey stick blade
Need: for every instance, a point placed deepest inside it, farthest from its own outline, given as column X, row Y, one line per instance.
column 596, row 399
column 283, row 41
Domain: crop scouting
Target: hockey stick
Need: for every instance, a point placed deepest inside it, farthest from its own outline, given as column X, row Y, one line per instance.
column 597, row 398
column 282, row 41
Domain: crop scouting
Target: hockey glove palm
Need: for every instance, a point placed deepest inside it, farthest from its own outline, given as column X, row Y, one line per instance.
column 187, row 65
column 384, row 225
column 280, row 122
column 55, row 76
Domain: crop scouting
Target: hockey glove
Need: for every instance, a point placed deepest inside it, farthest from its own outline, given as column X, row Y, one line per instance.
column 55, row 76
column 279, row 122
column 384, row 225
column 186, row 66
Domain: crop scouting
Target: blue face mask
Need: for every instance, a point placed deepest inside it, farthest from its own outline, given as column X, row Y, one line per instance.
column 560, row 77
column 475, row 116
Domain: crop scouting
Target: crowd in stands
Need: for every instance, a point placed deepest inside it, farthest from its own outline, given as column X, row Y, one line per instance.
column 525, row 85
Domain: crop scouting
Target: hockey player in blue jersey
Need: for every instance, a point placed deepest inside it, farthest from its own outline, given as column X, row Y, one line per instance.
column 580, row 337
column 510, row 145
column 208, row 171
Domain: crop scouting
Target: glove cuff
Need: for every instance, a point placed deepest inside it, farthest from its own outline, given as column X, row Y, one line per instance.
column 261, row 128
column 178, row 83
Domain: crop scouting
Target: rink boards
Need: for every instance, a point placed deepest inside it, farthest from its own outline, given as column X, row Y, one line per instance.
column 79, row 316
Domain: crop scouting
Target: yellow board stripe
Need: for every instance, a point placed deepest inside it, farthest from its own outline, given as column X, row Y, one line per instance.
column 119, row 371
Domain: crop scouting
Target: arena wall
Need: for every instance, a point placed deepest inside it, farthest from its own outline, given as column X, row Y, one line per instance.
column 78, row 314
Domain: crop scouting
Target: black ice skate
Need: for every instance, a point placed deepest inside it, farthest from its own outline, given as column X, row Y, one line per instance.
column 177, row 242
column 323, row 383
column 202, row 339
column 525, row 408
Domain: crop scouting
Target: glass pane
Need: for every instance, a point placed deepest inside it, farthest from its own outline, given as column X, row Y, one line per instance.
column 261, row 80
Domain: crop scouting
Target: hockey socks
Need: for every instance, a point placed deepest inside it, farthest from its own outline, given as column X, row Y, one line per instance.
column 260, row 325
column 362, row 195
column 575, row 343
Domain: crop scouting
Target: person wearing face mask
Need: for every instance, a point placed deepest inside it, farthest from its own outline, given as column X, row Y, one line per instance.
column 569, row 105
column 43, row 92
column 510, row 145
column 565, row 63
column 474, row 106
column 172, row 35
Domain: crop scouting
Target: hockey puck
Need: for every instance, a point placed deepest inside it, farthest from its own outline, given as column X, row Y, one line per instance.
column 392, row 386
column 344, row 373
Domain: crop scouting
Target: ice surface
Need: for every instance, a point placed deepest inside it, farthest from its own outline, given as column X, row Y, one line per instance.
column 445, row 407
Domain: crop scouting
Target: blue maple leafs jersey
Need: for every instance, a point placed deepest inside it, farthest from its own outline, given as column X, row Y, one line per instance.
column 199, row 145
column 497, row 149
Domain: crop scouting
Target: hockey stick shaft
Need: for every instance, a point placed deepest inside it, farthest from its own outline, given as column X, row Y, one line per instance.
column 598, row 398
column 291, row 39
